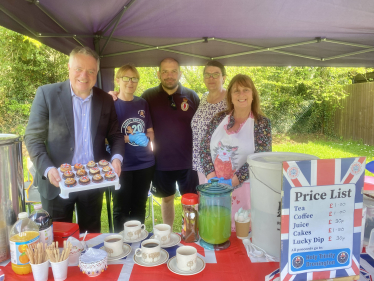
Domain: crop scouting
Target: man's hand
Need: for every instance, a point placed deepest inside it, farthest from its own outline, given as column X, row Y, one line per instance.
column 114, row 94
column 117, row 166
column 54, row 177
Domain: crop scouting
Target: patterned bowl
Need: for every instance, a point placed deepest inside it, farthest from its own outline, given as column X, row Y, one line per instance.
column 93, row 268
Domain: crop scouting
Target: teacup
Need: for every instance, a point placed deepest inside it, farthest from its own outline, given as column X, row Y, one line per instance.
column 133, row 230
column 186, row 258
column 150, row 250
column 114, row 245
column 162, row 232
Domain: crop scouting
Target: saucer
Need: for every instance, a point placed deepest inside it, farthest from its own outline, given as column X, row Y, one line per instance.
column 172, row 265
column 143, row 235
column 126, row 251
column 164, row 256
column 174, row 240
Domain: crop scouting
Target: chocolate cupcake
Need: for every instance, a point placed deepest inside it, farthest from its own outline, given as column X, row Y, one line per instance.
column 97, row 178
column 78, row 166
column 70, row 182
column 81, row 173
column 94, row 171
column 91, row 164
column 68, row 174
column 103, row 163
column 106, row 169
column 110, row 176
column 65, row 167
column 84, row 180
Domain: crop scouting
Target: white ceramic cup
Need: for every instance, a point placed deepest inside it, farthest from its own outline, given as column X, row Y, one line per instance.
column 186, row 258
column 150, row 250
column 162, row 232
column 133, row 230
column 60, row 270
column 114, row 245
column 40, row 271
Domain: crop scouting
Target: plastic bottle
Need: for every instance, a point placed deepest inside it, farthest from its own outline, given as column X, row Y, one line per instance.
column 22, row 233
column 44, row 221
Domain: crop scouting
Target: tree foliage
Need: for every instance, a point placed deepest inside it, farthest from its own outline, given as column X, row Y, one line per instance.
column 296, row 99
column 25, row 65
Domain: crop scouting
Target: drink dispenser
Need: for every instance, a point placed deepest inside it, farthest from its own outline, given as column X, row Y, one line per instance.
column 11, row 188
column 215, row 215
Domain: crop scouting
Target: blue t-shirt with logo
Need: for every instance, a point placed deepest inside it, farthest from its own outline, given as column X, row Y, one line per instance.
column 133, row 116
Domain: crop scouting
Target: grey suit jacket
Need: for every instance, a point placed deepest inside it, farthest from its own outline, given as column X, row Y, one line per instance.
column 50, row 136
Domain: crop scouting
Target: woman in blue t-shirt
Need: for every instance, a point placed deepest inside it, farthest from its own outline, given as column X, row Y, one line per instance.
column 129, row 202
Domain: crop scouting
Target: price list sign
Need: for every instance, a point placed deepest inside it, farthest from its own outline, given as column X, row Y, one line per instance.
column 321, row 218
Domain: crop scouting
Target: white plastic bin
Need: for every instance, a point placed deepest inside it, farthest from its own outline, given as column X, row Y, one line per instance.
column 266, row 185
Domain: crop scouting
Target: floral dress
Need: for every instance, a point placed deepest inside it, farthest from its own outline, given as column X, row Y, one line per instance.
column 199, row 123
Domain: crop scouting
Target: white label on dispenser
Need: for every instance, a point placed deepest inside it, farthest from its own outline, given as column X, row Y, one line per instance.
column 46, row 235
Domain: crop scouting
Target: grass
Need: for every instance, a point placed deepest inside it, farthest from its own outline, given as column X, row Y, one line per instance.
column 148, row 221
column 317, row 145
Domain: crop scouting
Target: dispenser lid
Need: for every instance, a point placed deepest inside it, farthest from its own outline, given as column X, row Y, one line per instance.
column 8, row 138
column 214, row 188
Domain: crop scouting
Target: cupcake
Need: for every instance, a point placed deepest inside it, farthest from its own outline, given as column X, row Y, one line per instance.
column 97, row 178
column 78, row 166
column 84, row 180
column 106, row 169
column 68, row 174
column 103, row 163
column 110, row 176
column 65, row 167
column 94, row 171
column 91, row 164
column 70, row 182
column 81, row 172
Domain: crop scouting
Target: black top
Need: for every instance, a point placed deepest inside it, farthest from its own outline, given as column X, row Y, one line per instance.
column 172, row 126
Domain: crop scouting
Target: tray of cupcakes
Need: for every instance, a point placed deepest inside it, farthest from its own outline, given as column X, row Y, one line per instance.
column 86, row 176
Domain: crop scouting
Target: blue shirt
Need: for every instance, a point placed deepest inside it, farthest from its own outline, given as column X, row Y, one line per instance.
column 133, row 116
column 83, row 152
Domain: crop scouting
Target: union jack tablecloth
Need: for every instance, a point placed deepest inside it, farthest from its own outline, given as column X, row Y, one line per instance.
column 230, row 264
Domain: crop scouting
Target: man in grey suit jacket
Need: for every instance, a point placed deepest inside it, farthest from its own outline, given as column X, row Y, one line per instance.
column 68, row 123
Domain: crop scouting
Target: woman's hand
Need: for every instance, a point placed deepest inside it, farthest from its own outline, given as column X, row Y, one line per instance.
column 114, row 95
column 235, row 180
column 211, row 175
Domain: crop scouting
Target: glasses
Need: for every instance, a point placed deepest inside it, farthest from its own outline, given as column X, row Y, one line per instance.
column 172, row 103
column 214, row 75
column 127, row 79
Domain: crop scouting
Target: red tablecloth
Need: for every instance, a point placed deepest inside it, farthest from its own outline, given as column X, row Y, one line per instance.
column 230, row 264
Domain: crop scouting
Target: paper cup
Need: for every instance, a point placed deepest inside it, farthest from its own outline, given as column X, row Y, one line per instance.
column 40, row 271
column 242, row 229
column 60, row 270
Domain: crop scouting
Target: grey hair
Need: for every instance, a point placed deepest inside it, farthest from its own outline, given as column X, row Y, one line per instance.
column 85, row 51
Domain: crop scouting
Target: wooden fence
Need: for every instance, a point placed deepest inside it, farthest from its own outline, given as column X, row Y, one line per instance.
column 356, row 119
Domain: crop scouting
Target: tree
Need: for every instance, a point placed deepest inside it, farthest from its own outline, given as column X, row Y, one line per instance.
column 26, row 64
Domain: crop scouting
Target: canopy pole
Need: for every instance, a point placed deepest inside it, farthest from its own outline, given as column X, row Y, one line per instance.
column 119, row 17
column 97, row 49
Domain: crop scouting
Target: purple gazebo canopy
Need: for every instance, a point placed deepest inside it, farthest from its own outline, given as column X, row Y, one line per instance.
column 238, row 32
